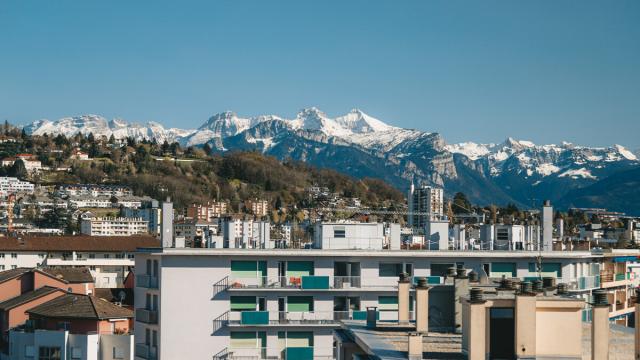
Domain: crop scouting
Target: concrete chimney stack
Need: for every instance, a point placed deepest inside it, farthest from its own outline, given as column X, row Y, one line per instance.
column 404, row 284
column 600, row 326
column 415, row 346
column 461, row 288
column 547, row 226
column 167, row 224
column 422, row 306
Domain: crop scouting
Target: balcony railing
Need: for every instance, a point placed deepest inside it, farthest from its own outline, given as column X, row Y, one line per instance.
column 585, row 283
column 147, row 316
column 264, row 318
column 147, row 281
column 288, row 353
column 146, row 351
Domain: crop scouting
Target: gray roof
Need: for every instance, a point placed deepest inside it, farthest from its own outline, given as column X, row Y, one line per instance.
column 77, row 306
column 27, row 297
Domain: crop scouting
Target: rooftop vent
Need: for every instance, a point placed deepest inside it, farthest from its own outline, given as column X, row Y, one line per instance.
column 600, row 298
column 476, row 295
column 526, row 287
column 537, row 286
column 562, row 289
column 548, row 282
column 473, row 276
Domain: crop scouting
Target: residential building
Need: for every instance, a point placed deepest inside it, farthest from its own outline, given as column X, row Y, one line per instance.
column 285, row 303
column 259, row 208
column 94, row 190
column 78, row 154
column 88, row 201
column 207, row 212
column 12, row 185
column 121, row 226
column 246, row 233
column 109, row 258
column 30, row 162
column 74, row 326
column 152, row 214
column 428, row 202
column 193, row 230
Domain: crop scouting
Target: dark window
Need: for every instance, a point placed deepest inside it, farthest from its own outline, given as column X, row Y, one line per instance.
column 339, row 232
column 49, row 353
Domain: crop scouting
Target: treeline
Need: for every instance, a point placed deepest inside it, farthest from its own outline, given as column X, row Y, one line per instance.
column 192, row 174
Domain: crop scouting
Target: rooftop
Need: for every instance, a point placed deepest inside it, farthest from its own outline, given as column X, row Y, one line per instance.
column 77, row 306
column 13, row 273
column 78, row 243
column 383, row 253
column 27, row 297
column 69, row 274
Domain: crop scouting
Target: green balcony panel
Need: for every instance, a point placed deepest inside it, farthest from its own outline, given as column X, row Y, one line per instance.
column 433, row 279
column 620, row 277
column 299, row 353
column 315, row 282
column 254, row 318
column 362, row 315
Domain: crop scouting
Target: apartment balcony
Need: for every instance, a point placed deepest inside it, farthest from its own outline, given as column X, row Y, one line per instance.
column 146, row 351
column 147, row 316
column 299, row 318
column 585, row 283
column 263, row 353
column 147, row 281
column 316, row 282
column 610, row 279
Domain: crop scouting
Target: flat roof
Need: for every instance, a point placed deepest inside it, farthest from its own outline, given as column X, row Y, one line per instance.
column 373, row 253
column 77, row 243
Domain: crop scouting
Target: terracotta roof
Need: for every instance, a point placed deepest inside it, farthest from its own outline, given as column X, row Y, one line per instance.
column 78, row 243
column 12, row 273
column 69, row 274
column 77, row 306
column 27, row 297
column 121, row 295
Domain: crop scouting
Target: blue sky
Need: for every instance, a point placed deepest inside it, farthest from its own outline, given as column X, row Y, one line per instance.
column 545, row 71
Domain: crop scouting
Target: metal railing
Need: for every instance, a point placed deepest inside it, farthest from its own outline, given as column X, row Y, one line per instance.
column 264, row 318
column 584, row 283
column 287, row 353
column 146, row 351
column 147, row 316
column 147, row 281
column 221, row 285
column 221, row 321
column 299, row 282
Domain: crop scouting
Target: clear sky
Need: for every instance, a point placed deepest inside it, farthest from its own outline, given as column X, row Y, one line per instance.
column 545, row 71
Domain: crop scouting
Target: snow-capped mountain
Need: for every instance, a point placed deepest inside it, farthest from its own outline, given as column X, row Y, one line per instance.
column 99, row 126
column 361, row 145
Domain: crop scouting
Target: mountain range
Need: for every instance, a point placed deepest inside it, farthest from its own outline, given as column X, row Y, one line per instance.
column 514, row 171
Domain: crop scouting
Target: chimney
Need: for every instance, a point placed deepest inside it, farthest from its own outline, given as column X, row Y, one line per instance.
column 415, row 346
column 422, row 306
column 547, row 226
column 600, row 326
column 167, row 224
column 461, row 288
column 404, row 283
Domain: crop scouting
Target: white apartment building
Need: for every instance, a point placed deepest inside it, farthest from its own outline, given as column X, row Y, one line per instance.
column 246, row 233
column 191, row 230
column 12, row 185
column 151, row 214
column 109, row 258
column 346, row 235
column 94, row 190
column 29, row 161
column 121, row 226
column 277, row 303
column 425, row 199
column 86, row 201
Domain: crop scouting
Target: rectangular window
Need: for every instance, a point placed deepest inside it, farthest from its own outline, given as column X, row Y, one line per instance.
column 506, row 269
column 390, row 270
column 118, row 353
column 339, row 232
column 242, row 303
column 14, row 255
column 49, row 353
column 299, row 339
column 243, row 340
column 502, row 234
column 300, row 303
column 299, row 268
column 548, row 270
column 440, row 269
column 92, row 256
column 388, row 303
column 248, row 269
column 1, row 255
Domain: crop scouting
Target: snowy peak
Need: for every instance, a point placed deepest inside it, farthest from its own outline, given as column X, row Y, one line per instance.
column 360, row 123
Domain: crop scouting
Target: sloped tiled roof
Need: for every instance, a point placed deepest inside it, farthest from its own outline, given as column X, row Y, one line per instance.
column 122, row 295
column 27, row 297
column 69, row 274
column 77, row 306
column 12, row 273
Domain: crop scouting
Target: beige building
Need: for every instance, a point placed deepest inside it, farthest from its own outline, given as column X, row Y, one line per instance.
column 257, row 207
column 207, row 212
